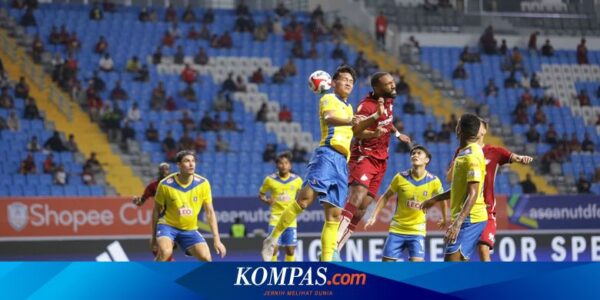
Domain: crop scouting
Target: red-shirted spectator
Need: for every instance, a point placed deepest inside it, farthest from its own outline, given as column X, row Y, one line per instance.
column 27, row 165
column 49, row 164
column 257, row 77
column 582, row 57
column 285, row 115
column 168, row 40
column 189, row 75
column 101, row 45
column 381, row 28
column 532, row 45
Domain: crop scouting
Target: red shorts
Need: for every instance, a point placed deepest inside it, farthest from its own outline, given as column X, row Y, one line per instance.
column 488, row 236
column 367, row 172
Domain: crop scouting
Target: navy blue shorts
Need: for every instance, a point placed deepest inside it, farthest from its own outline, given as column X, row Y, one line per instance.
column 467, row 239
column 289, row 237
column 327, row 174
column 396, row 243
column 184, row 238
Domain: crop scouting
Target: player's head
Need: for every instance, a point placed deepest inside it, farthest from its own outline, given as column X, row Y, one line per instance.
column 284, row 163
column 186, row 162
column 482, row 132
column 419, row 156
column 163, row 170
column 383, row 85
column 468, row 126
column 343, row 80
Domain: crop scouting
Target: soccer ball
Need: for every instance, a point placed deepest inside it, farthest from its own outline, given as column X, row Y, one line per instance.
column 319, row 82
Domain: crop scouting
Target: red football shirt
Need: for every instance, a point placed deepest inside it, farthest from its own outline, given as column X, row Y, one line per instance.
column 374, row 147
column 494, row 158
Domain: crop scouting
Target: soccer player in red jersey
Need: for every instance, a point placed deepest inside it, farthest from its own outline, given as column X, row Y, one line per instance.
column 494, row 158
column 369, row 154
column 163, row 170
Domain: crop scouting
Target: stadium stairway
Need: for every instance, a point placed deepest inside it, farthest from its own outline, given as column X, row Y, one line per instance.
column 88, row 135
column 431, row 97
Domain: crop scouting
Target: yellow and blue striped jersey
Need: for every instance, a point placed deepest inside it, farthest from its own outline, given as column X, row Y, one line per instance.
column 283, row 190
column 182, row 202
column 336, row 137
column 469, row 166
column 409, row 218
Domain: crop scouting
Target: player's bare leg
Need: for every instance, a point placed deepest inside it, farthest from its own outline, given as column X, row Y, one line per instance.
column 330, row 229
column 306, row 196
column 165, row 248
column 387, row 259
column 290, row 253
column 200, row 251
column 416, row 259
column 454, row 257
column 484, row 252
column 275, row 254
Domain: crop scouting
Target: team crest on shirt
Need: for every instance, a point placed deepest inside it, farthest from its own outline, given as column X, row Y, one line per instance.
column 364, row 177
column 170, row 180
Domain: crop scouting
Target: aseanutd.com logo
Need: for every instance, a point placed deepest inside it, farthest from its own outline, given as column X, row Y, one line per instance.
column 296, row 276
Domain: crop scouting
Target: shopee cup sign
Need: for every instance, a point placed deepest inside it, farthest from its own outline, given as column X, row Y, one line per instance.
column 53, row 217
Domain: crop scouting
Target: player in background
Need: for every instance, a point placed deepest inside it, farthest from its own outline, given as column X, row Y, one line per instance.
column 178, row 201
column 163, row 170
column 327, row 172
column 369, row 155
column 408, row 227
column 495, row 157
column 282, row 187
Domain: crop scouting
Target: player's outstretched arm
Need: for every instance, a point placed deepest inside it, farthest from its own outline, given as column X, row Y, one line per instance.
column 332, row 120
column 432, row 201
column 380, row 204
column 522, row 159
column 401, row 137
column 211, row 217
column 452, row 232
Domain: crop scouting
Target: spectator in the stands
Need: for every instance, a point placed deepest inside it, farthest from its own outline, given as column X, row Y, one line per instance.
column 27, row 166
column 101, row 45
column 281, row 10
column 285, row 115
column 583, row 185
column 28, row 19
column 230, row 124
column 229, row 84
column 584, row 99
column 209, row 16
column 178, row 56
column 93, row 163
column 118, row 93
column 217, row 124
column 31, row 111
column 587, row 145
column 157, row 56
column 242, row 9
column 96, row 13
column 54, row 143
column 200, row 144
column 13, row 122
column 189, row 93
column 261, row 115
column 201, row 58
column 143, row 74
column 429, row 135
column 525, row 81
column 6, row 100
column 533, row 136
column 187, row 123
column 189, row 75
column 106, row 63
column 37, row 48
column 225, row 41
column 503, row 49
column 169, row 146
column 134, row 114
column 257, row 77
column 459, row 72
column 158, row 96
column 151, row 133
column 488, row 41
column 381, row 25
column 185, row 141
column 491, row 89
column 168, row 40
column 71, row 145
column 535, row 81
column 54, row 37
column 517, row 59
column 3, row 124
column 582, row 53
column 539, row 117
column 22, row 89
column 240, row 85
column 261, row 32
column 127, row 133
column 290, row 68
column 193, row 34
column 87, row 176
column 402, row 87
column 189, row 16
column 74, row 43
column 33, row 145
column 174, row 30
column 511, row 81
column 270, row 153
column 528, row 186
column 133, row 65
column 207, row 122
column 49, row 166
column 532, row 45
column 547, row 49
column 574, row 145
column 205, row 33
column 279, row 76
column 551, row 136
column 221, row 145
column 469, row 57
column 60, row 176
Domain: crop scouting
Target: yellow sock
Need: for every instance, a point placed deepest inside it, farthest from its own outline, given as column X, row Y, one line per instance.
column 274, row 258
column 329, row 239
column 290, row 258
column 287, row 217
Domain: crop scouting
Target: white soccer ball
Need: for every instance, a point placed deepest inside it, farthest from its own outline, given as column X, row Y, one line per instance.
column 319, row 82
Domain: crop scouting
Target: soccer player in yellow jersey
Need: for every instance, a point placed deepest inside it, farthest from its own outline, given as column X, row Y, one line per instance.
column 408, row 227
column 467, row 205
column 327, row 174
column 282, row 187
column 178, row 201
